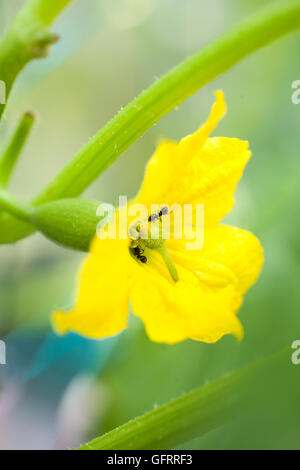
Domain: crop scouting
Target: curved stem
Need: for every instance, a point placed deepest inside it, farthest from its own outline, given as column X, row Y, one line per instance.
column 197, row 412
column 167, row 93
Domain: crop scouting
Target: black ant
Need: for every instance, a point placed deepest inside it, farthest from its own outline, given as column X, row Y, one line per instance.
column 138, row 252
column 164, row 210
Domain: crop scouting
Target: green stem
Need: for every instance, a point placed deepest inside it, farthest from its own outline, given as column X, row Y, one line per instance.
column 15, row 207
column 169, row 262
column 197, row 412
column 10, row 155
column 167, row 93
column 164, row 95
column 28, row 38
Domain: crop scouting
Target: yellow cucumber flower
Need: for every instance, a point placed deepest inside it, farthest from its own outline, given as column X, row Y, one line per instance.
column 178, row 293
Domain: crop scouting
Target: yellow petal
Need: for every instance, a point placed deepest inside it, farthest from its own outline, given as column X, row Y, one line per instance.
column 170, row 157
column 227, row 251
column 198, row 170
column 173, row 312
column 191, row 144
column 102, row 303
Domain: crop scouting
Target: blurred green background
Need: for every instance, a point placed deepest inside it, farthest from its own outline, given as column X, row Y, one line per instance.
column 57, row 393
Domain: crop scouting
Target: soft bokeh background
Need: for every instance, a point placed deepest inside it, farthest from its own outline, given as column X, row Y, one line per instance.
column 58, row 392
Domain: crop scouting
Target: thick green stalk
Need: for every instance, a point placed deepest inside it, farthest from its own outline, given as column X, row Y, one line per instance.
column 10, row 155
column 200, row 411
column 164, row 95
column 28, row 38
column 168, row 92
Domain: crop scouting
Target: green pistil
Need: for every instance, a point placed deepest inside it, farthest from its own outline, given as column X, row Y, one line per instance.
column 169, row 262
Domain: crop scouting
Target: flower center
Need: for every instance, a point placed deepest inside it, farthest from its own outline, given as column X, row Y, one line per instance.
column 148, row 234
